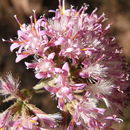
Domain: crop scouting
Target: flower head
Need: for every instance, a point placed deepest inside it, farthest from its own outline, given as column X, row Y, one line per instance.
column 23, row 116
column 80, row 65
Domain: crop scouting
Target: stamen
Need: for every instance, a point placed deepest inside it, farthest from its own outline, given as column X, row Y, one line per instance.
column 3, row 40
column 91, row 80
column 19, row 42
column 62, row 6
column 77, row 14
column 32, row 26
column 24, row 53
column 59, row 4
column 84, row 49
column 68, row 34
column 72, row 123
column 75, row 36
column 31, row 20
column 34, row 31
column 33, row 121
column 60, row 100
column 18, row 21
column 34, row 15
column 12, row 41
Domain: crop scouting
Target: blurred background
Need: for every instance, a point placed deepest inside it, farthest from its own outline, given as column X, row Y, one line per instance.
column 117, row 12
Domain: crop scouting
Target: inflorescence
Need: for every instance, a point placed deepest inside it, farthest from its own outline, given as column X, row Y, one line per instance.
column 81, row 66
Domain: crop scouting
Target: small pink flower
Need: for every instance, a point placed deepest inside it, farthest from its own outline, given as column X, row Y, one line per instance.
column 24, row 123
column 27, row 116
column 5, row 119
column 9, row 85
column 86, row 114
column 44, row 67
column 45, row 120
column 30, row 41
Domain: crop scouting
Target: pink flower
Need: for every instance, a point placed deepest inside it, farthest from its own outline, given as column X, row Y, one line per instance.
column 5, row 118
column 30, row 41
column 45, row 120
column 27, row 117
column 86, row 114
column 9, row 85
column 25, row 123
column 44, row 67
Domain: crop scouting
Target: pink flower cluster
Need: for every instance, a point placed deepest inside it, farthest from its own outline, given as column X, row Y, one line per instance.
column 80, row 65
column 22, row 115
column 13, row 120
